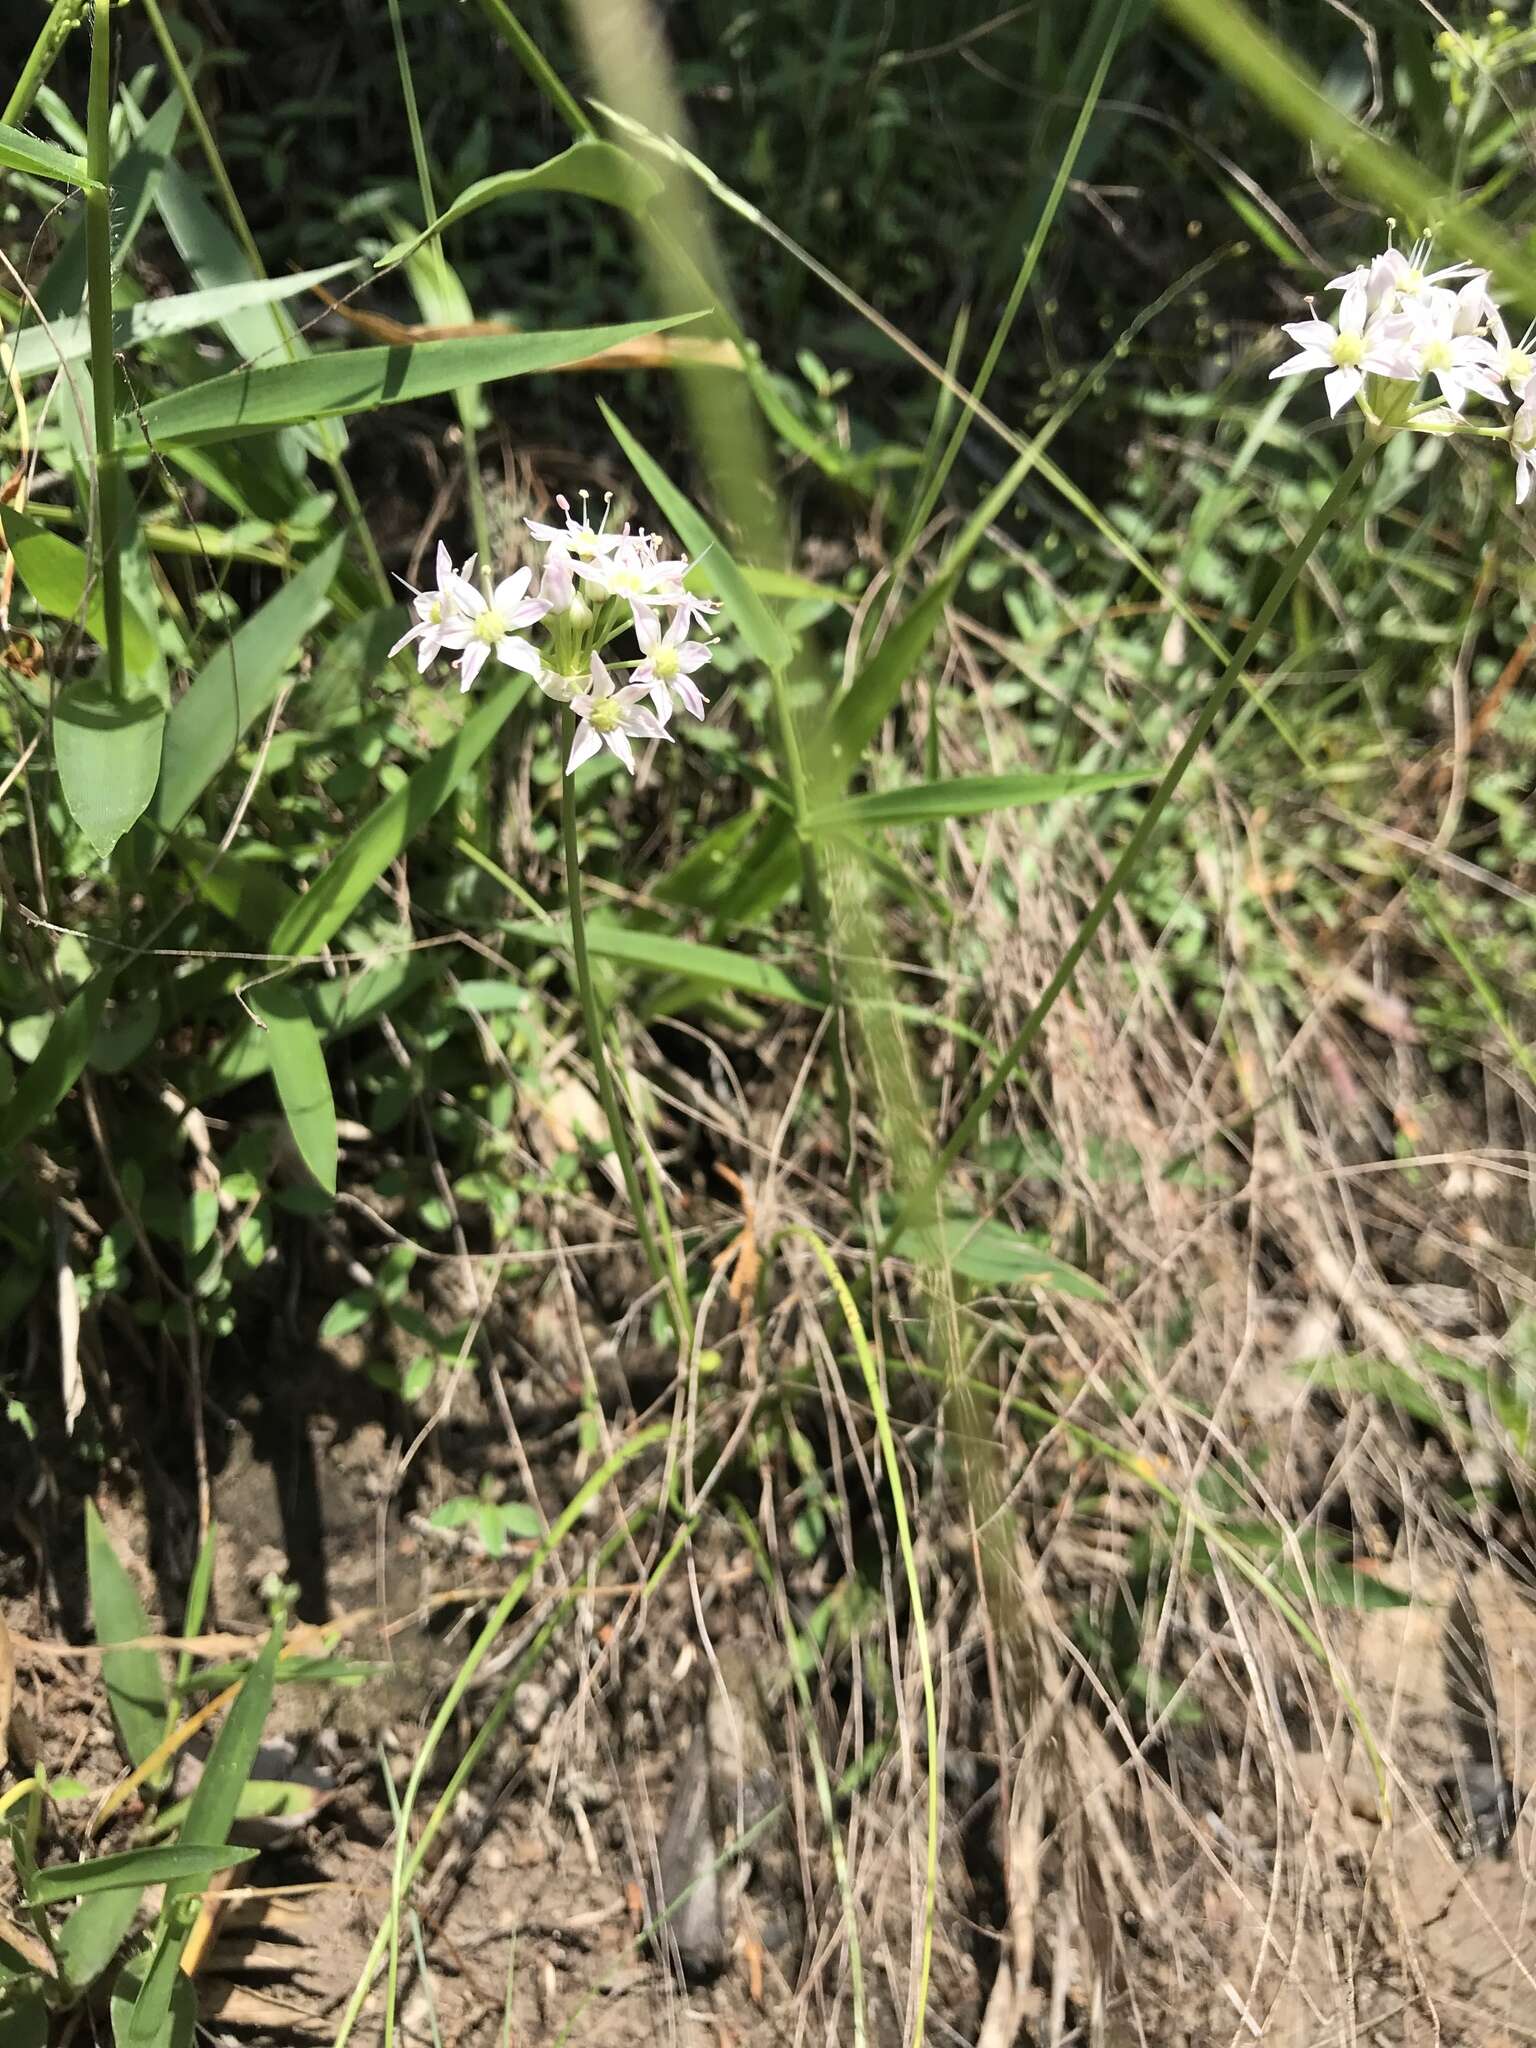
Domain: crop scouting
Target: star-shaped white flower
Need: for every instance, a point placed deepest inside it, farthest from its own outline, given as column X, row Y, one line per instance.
column 484, row 626
column 634, row 572
column 671, row 660
column 1514, row 361
column 579, row 536
column 1395, row 279
column 611, row 718
column 434, row 611
column 1448, row 344
column 1352, row 351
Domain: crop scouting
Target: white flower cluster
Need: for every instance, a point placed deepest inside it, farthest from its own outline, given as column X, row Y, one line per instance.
column 594, row 585
column 1401, row 322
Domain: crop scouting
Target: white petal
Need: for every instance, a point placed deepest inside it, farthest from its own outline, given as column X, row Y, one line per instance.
column 690, row 697
column 587, row 744
column 1522, row 480
column 647, row 627
column 1341, row 386
column 1309, row 359
column 644, row 725
column 444, row 564
column 1353, row 308
column 617, row 743
column 411, row 633
column 472, row 661
column 514, row 653
column 510, row 589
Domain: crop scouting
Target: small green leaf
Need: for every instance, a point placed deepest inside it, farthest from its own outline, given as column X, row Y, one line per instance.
column 153, row 2005
column 965, row 796
column 92, row 1935
column 717, row 965
column 133, row 1869
column 993, row 1255
column 108, row 757
column 357, row 380
column 57, row 1066
column 22, row 152
column 591, row 169
column 346, row 1315
column 237, row 686
column 303, row 1085
column 57, row 576
column 135, row 1684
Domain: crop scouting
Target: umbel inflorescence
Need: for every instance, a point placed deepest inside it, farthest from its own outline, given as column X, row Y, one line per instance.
column 594, row 586
column 1400, row 324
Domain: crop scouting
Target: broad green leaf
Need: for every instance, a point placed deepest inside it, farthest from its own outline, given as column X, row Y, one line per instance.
column 135, row 1684
column 321, row 912
column 744, row 972
column 210, row 1816
column 359, row 379
column 338, row 1007
column 132, row 1869
column 57, row 1067
column 37, row 351
column 590, row 169
column 260, row 1799
column 303, row 1085
column 93, row 1935
column 994, row 1256
column 22, row 152
column 748, row 614
column 108, row 757
column 135, row 177
column 24, row 2018
column 964, row 796
column 247, row 890
column 57, row 575
column 237, row 686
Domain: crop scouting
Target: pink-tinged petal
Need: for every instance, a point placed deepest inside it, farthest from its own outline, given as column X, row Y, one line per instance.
column 617, row 743
column 632, row 693
column 431, row 647
column 1342, row 284
column 602, row 682
column 690, row 697
column 444, row 564
column 520, row 654
column 660, row 701
column 644, row 725
column 1312, row 334
column 411, row 633
column 463, row 597
column 510, row 589
column 528, row 613
column 647, row 627
column 474, row 658
column 692, row 656
column 586, row 745
column 1341, row 386
column 1309, row 359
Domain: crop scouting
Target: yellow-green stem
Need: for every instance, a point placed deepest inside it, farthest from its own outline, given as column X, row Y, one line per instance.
column 597, row 1048
column 98, row 260
column 63, row 16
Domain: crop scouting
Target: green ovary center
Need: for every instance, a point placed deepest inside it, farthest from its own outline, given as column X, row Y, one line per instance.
column 1348, row 350
column 665, row 664
column 1437, row 356
column 435, row 612
column 606, row 715
column 490, row 627
column 1518, row 367
column 1412, row 281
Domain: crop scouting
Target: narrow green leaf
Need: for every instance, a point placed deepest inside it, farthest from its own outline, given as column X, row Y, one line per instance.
column 133, row 1869
column 135, row 1684
column 748, row 614
column 966, row 796
column 153, row 2005
column 321, row 912
column 108, row 757
column 590, row 169
column 745, row 972
column 22, row 152
column 39, row 351
column 24, row 2018
column 303, row 1085
column 357, row 380
column 57, row 576
column 57, row 1067
column 210, row 1816
column 337, row 1007
column 994, row 1256
column 237, row 686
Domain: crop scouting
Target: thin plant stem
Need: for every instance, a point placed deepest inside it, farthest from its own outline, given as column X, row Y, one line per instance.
column 597, row 1049
column 538, row 67
column 240, row 228
column 63, row 17
column 1136, row 846
column 98, row 259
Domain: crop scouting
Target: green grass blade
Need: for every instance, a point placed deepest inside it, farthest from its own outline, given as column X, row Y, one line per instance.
column 40, row 351
column 57, row 1067
column 336, row 1008
column 323, row 910
column 22, row 152
column 993, row 1255
column 966, row 796
column 361, row 379
column 135, row 1684
column 591, row 170
column 714, row 965
column 237, row 686
column 132, row 1869
column 303, row 1085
